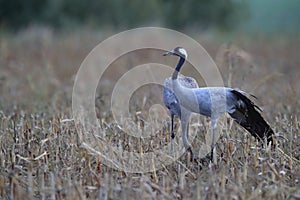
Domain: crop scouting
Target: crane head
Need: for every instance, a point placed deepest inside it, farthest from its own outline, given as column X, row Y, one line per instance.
column 178, row 51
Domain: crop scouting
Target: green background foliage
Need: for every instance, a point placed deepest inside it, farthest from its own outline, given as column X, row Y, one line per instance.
column 121, row 13
column 225, row 15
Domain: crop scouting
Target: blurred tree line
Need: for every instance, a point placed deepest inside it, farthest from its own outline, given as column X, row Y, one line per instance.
column 177, row 14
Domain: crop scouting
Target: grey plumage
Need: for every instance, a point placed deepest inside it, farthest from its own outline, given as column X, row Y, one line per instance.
column 214, row 101
column 172, row 103
column 238, row 106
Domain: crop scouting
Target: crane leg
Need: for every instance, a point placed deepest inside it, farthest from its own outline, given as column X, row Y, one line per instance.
column 172, row 126
column 187, row 145
column 213, row 126
column 190, row 151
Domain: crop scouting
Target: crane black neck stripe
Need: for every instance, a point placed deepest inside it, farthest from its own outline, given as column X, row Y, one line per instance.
column 178, row 67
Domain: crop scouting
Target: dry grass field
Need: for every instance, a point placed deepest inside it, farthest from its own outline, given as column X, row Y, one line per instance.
column 41, row 156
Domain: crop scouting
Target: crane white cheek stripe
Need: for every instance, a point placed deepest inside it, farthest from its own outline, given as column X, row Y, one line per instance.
column 183, row 51
column 92, row 69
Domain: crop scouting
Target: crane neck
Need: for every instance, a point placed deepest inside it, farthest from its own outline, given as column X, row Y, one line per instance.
column 178, row 67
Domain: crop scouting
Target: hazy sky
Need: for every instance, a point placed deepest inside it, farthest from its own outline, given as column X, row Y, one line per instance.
column 273, row 16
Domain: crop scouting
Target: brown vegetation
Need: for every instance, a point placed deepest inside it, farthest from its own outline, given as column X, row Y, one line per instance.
column 41, row 156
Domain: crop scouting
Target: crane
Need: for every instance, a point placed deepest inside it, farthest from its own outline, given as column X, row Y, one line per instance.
column 172, row 103
column 214, row 101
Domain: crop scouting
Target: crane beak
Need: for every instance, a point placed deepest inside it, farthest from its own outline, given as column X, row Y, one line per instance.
column 168, row 53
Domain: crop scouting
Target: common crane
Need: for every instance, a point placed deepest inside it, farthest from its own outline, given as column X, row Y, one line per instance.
column 236, row 104
column 172, row 103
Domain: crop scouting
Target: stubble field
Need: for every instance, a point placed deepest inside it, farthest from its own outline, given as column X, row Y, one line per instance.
column 42, row 155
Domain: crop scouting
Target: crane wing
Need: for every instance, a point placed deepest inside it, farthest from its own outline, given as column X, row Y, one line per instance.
column 247, row 115
column 171, row 101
